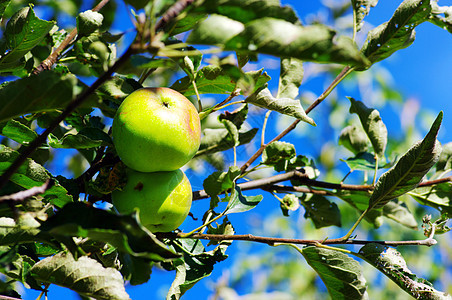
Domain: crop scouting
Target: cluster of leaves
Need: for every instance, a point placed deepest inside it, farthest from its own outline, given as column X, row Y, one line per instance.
column 55, row 237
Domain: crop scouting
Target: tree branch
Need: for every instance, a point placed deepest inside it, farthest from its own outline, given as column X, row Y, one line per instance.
column 347, row 70
column 2, row 297
column 23, row 195
column 269, row 184
column 272, row 240
column 47, row 63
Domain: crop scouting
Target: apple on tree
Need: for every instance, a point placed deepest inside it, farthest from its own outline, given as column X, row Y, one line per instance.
column 156, row 129
column 162, row 198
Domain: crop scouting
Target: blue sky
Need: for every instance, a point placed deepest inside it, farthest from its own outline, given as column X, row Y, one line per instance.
column 421, row 72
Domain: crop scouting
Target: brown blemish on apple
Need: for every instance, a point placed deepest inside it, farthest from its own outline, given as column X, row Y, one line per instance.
column 139, row 186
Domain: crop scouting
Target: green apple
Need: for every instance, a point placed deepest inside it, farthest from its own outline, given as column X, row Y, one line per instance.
column 163, row 198
column 156, row 129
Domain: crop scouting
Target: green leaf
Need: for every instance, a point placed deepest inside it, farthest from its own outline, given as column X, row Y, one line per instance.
column 361, row 9
column 359, row 200
column 409, row 170
column 372, row 124
column 215, row 80
column 88, row 22
column 354, row 139
column 240, row 203
column 123, row 232
column 216, row 140
column 399, row 212
column 196, row 264
column 43, row 92
column 24, row 230
column 280, row 38
column 219, row 182
column 445, row 159
column 32, row 174
column 436, row 17
column 237, row 117
column 278, row 153
column 233, row 132
column 340, row 273
column 215, row 30
column 137, row 4
column 87, row 138
column 290, row 78
column 247, row 10
column 187, row 23
column 364, row 161
column 23, row 32
column 322, row 212
column 398, row 32
column 18, row 132
column 438, row 196
column 3, row 5
column 263, row 98
column 84, row 275
column 391, row 263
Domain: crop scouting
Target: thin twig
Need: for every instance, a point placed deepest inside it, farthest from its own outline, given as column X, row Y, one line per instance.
column 273, row 240
column 23, row 195
column 47, row 63
column 347, row 70
column 269, row 184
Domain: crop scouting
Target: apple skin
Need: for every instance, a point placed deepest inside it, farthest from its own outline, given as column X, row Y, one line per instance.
column 156, row 129
column 163, row 198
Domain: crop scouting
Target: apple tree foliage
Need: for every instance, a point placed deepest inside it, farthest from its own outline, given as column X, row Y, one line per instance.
column 61, row 87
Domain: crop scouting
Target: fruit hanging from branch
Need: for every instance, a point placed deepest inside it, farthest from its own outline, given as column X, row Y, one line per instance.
column 156, row 129
column 163, row 199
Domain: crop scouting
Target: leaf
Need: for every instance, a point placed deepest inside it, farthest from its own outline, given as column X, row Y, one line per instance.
column 438, row 196
column 24, row 230
column 18, row 132
column 23, row 32
column 216, row 140
column 187, row 23
column 84, row 275
column 123, row 232
column 391, row 263
column 31, row 174
column 137, row 4
column 218, row 181
column 340, row 273
column 372, row 124
column 361, row 9
column 280, row 38
column 409, row 170
column 360, row 201
column 364, row 161
column 247, row 10
column 354, row 139
column 215, row 80
column 240, row 203
column 290, row 78
column 278, row 152
column 237, row 117
column 398, row 32
column 263, row 98
column 399, row 212
column 445, row 159
column 436, row 17
column 322, row 212
column 3, row 5
column 196, row 264
column 43, row 92
column 215, row 30
column 87, row 138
